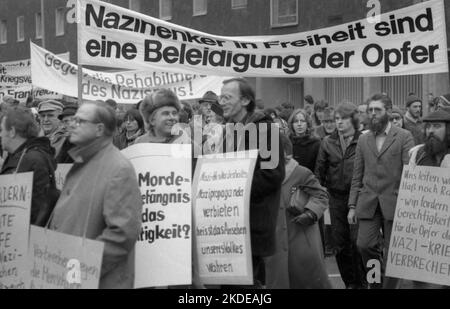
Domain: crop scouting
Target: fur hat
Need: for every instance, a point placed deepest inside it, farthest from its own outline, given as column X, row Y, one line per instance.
column 411, row 99
column 160, row 98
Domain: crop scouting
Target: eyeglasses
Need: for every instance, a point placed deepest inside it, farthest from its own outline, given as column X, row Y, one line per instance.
column 78, row 121
column 396, row 118
column 377, row 110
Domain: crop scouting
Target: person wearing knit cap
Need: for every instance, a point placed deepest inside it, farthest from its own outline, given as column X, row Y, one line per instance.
column 334, row 169
column 397, row 117
column 436, row 150
column 412, row 121
column 160, row 112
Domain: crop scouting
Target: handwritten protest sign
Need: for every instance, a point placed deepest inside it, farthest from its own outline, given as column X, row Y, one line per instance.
column 15, row 205
column 127, row 87
column 163, row 249
column 61, row 261
column 221, row 217
column 411, row 40
column 420, row 241
column 61, row 173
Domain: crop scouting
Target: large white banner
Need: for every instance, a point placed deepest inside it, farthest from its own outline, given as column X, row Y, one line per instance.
column 222, row 185
column 15, row 205
column 420, row 240
column 410, row 40
column 127, row 87
column 163, row 249
column 18, row 73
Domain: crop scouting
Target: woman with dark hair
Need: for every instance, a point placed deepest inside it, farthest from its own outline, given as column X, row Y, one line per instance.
column 134, row 127
column 305, row 144
column 317, row 116
column 397, row 117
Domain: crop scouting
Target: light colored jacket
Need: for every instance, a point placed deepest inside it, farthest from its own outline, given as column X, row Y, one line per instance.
column 105, row 181
column 377, row 175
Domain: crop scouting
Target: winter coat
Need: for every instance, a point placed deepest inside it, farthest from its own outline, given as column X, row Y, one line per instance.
column 101, row 198
column 305, row 150
column 266, row 184
column 298, row 262
column 63, row 156
column 334, row 168
column 39, row 159
column 418, row 156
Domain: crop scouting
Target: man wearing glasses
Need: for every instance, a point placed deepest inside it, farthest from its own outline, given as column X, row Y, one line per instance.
column 380, row 156
column 101, row 199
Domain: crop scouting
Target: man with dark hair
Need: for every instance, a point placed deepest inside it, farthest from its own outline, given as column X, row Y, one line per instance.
column 29, row 153
column 328, row 125
column 412, row 121
column 436, row 150
column 238, row 101
column 380, row 156
column 101, row 199
column 334, row 168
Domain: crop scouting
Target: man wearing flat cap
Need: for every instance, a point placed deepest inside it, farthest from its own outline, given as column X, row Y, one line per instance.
column 66, row 118
column 205, row 102
column 49, row 111
column 436, row 150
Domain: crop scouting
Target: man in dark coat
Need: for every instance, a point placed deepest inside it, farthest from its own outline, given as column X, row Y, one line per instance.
column 238, row 101
column 29, row 153
column 334, row 168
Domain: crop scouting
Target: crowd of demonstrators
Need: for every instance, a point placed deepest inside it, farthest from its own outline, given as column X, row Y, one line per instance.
column 348, row 159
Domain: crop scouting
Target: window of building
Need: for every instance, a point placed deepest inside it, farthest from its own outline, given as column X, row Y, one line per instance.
column 38, row 20
column 238, row 4
column 165, row 9
column 3, row 32
column 200, row 7
column 135, row 5
column 284, row 12
column 20, row 28
column 60, row 20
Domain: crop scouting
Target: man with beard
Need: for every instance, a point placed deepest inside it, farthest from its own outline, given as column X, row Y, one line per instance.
column 412, row 122
column 379, row 159
column 436, row 150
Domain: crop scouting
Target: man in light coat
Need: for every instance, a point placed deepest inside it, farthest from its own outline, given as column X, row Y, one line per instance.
column 380, row 156
column 101, row 197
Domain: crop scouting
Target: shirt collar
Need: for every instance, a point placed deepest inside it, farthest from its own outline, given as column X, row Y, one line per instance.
column 388, row 128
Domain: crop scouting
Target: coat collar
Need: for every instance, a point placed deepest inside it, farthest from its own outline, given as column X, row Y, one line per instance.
column 85, row 153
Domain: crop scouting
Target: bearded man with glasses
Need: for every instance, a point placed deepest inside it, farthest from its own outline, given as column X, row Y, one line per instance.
column 380, row 156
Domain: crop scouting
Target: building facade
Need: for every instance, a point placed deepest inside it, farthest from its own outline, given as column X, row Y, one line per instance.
column 20, row 22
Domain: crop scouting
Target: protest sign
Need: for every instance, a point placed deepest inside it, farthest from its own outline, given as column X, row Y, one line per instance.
column 163, row 249
column 411, row 40
column 127, row 87
column 222, row 185
column 22, row 93
column 420, row 240
column 62, row 261
column 61, row 173
column 18, row 73
column 15, row 206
